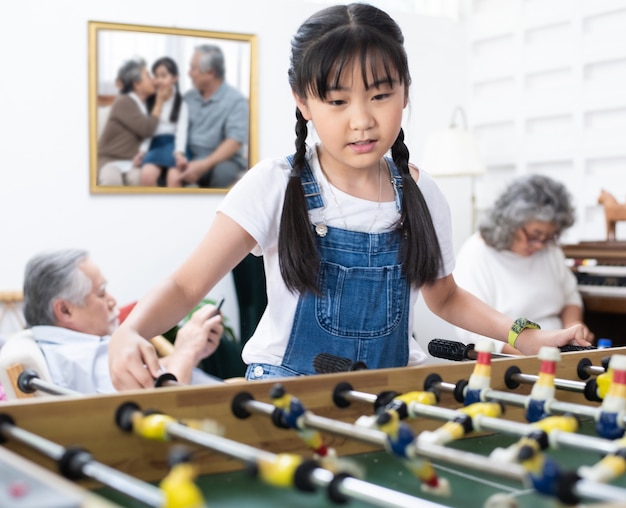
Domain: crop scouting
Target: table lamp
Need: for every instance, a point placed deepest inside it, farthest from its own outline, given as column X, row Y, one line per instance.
column 454, row 152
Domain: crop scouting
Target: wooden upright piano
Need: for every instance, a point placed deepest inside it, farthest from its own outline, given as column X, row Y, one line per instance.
column 600, row 268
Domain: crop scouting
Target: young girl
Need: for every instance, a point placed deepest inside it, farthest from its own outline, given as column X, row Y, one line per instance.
column 347, row 235
column 163, row 161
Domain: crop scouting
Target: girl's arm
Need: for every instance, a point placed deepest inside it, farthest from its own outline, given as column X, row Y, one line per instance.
column 180, row 139
column 133, row 361
column 462, row 309
column 161, row 96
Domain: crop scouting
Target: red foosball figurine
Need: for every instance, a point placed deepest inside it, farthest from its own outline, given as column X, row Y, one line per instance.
column 543, row 390
column 610, row 417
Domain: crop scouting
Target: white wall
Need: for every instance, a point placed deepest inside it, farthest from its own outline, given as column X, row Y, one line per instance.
column 546, row 92
column 138, row 239
column 546, row 82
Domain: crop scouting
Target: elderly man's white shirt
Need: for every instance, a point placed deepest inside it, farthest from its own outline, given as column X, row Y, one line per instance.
column 80, row 361
column 77, row 361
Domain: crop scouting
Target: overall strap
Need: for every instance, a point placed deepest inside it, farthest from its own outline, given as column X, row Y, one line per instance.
column 396, row 180
column 310, row 186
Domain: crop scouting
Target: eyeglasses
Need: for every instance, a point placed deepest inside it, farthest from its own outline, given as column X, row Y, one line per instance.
column 539, row 238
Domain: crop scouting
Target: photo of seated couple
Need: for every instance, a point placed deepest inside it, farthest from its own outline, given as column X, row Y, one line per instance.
column 155, row 133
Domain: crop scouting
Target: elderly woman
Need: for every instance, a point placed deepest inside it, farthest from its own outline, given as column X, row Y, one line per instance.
column 128, row 125
column 513, row 262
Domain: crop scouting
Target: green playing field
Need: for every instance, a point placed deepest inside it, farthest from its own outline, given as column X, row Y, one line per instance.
column 469, row 488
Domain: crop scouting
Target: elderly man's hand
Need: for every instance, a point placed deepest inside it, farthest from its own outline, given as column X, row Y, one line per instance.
column 197, row 339
column 194, row 171
column 202, row 333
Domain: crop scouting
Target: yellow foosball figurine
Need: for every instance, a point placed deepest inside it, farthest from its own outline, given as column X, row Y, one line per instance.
column 179, row 485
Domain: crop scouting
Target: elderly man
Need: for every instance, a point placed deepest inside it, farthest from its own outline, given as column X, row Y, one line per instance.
column 72, row 315
column 218, row 123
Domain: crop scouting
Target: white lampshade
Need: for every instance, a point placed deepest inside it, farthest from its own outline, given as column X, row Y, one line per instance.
column 453, row 151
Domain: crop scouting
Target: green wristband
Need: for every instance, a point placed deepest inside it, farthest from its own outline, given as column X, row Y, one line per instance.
column 518, row 326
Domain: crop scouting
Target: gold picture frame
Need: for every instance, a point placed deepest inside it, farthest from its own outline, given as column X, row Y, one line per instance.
column 107, row 42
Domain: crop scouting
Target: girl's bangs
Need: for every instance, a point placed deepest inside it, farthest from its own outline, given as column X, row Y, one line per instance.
column 377, row 61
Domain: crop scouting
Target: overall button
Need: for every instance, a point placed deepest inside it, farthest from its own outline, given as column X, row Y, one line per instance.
column 258, row 371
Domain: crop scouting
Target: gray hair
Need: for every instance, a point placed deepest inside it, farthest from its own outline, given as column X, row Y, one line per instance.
column 51, row 276
column 130, row 73
column 528, row 198
column 211, row 58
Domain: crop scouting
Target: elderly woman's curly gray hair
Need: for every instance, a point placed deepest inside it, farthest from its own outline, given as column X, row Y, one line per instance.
column 528, row 198
column 130, row 73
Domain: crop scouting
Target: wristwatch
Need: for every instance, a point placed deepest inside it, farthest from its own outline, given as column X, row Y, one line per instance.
column 518, row 326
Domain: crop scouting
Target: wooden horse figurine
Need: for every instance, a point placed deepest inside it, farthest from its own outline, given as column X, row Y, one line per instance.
column 613, row 212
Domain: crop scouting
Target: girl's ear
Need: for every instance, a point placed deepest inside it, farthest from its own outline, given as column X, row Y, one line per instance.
column 301, row 103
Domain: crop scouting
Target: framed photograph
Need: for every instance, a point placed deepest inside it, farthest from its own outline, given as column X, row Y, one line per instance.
column 111, row 45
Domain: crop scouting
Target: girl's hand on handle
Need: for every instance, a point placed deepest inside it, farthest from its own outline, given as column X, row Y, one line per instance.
column 587, row 334
column 578, row 334
column 133, row 361
column 530, row 341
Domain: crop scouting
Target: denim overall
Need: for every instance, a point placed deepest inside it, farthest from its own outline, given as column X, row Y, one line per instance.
column 161, row 151
column 362, row 312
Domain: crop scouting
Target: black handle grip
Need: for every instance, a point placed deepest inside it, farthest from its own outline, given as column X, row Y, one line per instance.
column 325, row 363
column 451, row 350
column 567, row 349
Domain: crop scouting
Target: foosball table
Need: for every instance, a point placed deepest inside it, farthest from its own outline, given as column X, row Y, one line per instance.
column 462, row 434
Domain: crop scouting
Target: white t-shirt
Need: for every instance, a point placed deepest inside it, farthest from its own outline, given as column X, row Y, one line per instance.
column 165, row 126
column 80, row 361
column 536, row 287
column 77, row 361
column 256, row 203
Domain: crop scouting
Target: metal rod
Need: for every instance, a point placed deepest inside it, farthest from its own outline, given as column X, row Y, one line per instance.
column 379, row 438
column 353, row 395
column 519, row 429
column 141, row 491
column 516, row 399
column 440, row 413
column 132, row 487
column 370, row 436
column 53, row 389
column 567, row 385
column 364, row 491
column 583, row 442
column 38, row 443
column 556, row 406
column 446, row 387
column 350, row 487
column 594, row 370
column 482, row 422
column 600, row 491
column 470, row 460
column 220, row 444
